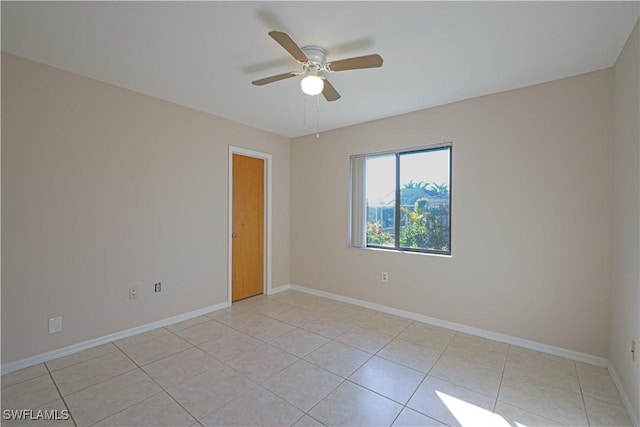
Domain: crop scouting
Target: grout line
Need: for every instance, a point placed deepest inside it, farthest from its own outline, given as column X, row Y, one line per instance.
column 324, row 397
column 124, row 409
column 138, row 367
column 255, row 309
column 584, row 404
column 425, row 378
column 115, row 348
column 504, row 368
column 99, row 382
column 60, row 394
column 173, row 398
column 163, row 390
column 25, row 380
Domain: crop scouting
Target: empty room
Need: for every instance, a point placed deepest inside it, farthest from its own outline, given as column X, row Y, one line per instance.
column 365, row 213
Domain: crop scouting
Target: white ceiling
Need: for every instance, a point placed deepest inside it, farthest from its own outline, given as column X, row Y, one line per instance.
column 205, row 54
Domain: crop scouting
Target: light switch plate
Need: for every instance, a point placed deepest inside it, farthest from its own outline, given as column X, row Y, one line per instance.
column 55, row 324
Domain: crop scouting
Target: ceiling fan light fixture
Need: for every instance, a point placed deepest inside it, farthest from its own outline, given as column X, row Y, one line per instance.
column 312, row 84
column 313, row 60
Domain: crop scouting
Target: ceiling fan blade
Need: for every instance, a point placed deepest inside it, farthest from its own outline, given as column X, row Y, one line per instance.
column 368, row 61
column 289, row 45
column 330, row 93
column 272, row 79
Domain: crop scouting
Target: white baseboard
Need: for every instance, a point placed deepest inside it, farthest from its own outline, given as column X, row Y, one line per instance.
column 533, row 345
column 544, row 348
column 279, row 289
column 623, row 395
column 65, row 351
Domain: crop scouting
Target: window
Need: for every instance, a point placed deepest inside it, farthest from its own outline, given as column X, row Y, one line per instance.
column 402, row 200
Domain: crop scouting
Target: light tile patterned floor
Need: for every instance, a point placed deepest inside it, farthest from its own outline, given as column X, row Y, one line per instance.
column 298, row 359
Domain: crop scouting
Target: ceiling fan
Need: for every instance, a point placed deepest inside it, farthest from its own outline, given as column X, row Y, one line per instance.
column 314, row 60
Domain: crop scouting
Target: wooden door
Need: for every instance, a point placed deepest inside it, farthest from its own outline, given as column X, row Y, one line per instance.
column 248, row 227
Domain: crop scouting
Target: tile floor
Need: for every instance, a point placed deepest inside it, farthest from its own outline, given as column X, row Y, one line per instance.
column 298, row 359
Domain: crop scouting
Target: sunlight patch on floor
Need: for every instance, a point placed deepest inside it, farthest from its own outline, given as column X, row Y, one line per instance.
column 469, row 414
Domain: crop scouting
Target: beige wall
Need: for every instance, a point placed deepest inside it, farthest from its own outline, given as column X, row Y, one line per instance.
column 625, row 308
column 103, row 187
column 531, row 206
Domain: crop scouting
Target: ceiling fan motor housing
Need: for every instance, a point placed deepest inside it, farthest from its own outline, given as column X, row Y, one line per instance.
column 317, row 55
column 314, row 60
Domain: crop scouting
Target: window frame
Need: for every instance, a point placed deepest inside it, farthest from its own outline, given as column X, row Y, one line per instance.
column 397, row 211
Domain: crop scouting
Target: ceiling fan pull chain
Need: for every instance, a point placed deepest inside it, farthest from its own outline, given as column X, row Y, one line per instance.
column 305, row 112
column 317, row 116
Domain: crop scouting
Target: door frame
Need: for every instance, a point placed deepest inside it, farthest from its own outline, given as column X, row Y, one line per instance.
column 268, row 181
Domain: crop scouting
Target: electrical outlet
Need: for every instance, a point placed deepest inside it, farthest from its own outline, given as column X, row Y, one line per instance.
column 157, row 287
column 133, row 292
column 634, row 351
column 55, row 324
column 385, row 276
